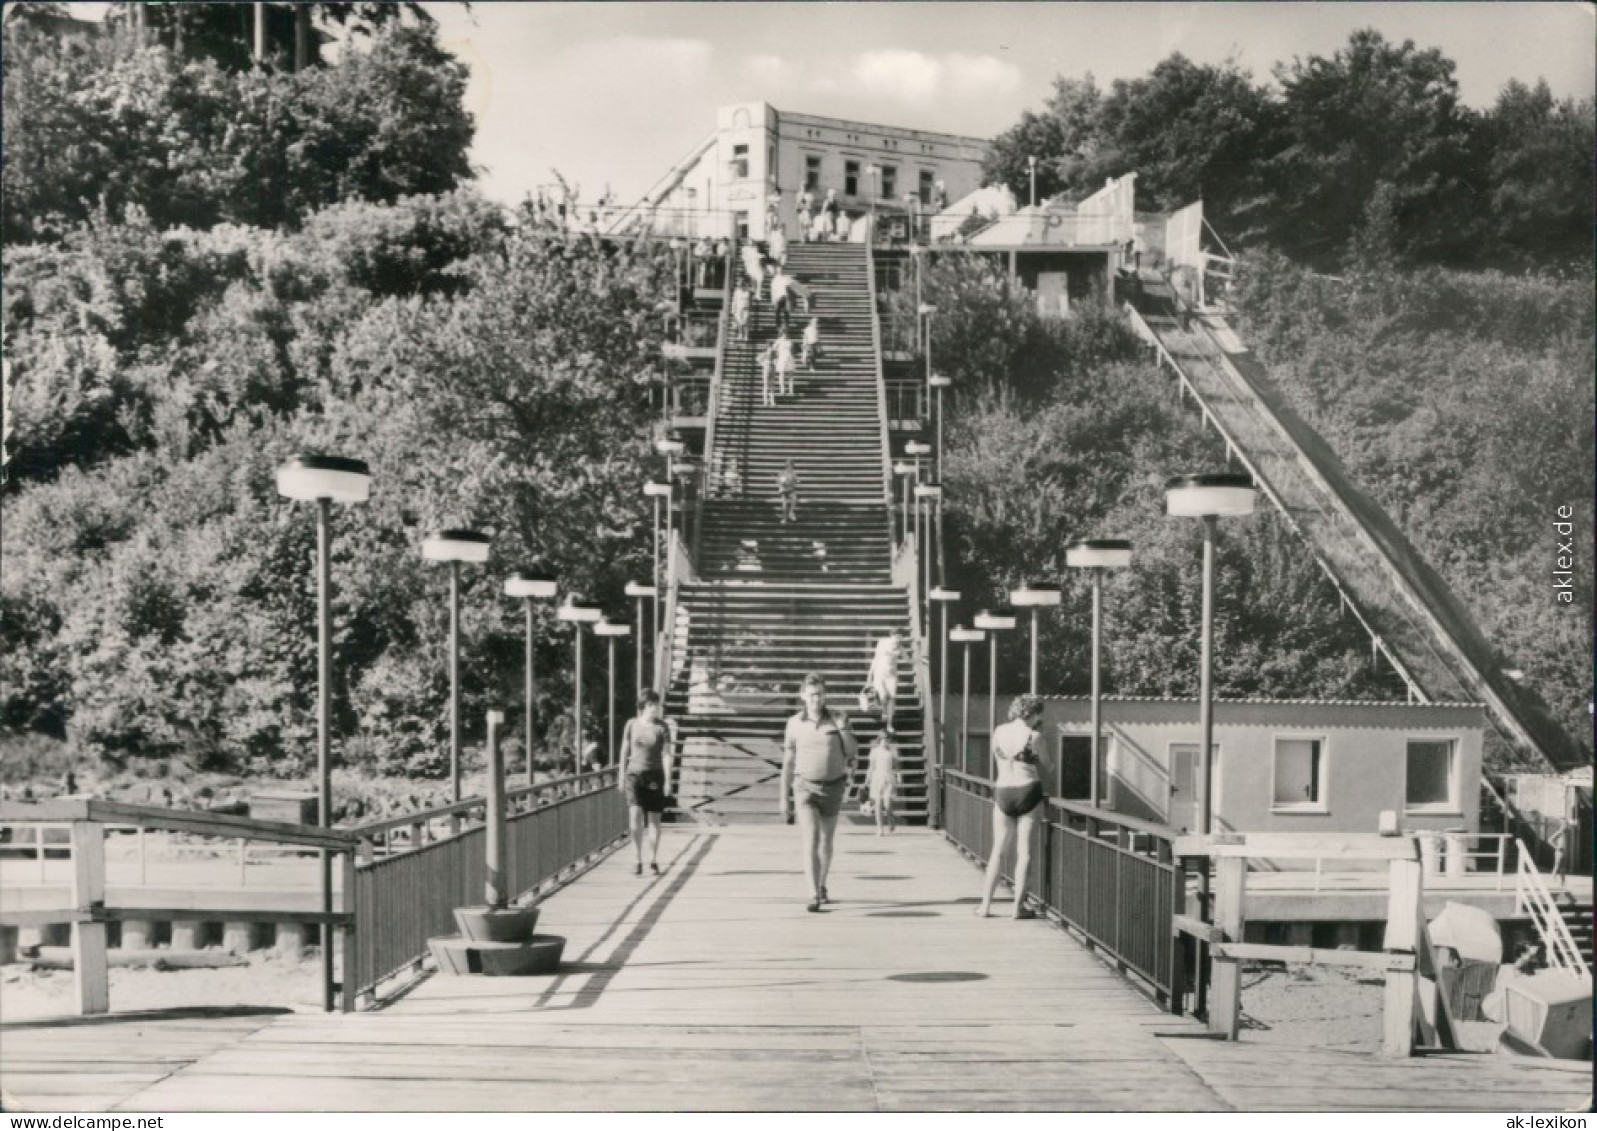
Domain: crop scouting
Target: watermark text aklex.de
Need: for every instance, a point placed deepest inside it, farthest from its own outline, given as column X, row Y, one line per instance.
column 1563, row 575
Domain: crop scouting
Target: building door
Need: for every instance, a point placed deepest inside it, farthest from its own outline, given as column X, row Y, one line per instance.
column 1183, row 811
column 1053, row 294
column 740, row 224
column 1075, row 767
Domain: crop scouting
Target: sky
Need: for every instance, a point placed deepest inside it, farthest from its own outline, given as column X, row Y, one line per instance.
column 615, row 93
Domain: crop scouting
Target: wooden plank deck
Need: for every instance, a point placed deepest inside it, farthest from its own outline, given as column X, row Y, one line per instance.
column 711, row 988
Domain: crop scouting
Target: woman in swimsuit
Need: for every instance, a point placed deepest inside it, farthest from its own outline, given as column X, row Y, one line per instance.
column 645, row 769
column 1017, row 791
column 881, row 780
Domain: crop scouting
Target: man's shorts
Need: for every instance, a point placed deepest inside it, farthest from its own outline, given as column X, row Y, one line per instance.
column 825, row 797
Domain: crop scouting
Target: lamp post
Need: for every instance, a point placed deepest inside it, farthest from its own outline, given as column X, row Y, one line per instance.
column 915, row 449
column 938, row 383
column 670, row 447
column 577, row 615
column 1096, row 555
column 324, row 480
column 965, row 637
column 1001, row 621
column 683, row 473
column 657, row 491
column 905, row 471
column 642, row 593
column 612, row 632
column 924, row 313
column 1031, row 166
column 1209, row 497
column 1036, row 598
column 928, row 496
column 454, row 547
column 530, row 586
column 942, row 598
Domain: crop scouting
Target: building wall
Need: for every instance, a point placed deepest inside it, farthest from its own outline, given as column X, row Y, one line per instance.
column 1364, row 758
column 778, row 145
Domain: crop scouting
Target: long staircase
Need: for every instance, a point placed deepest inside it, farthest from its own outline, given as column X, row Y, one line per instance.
column 772, row 600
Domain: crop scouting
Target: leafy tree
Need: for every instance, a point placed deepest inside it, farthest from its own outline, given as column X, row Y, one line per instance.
column 1372, row 114
column 1063, row 138
column 107, row 121
column 1190, row 131
column 1542, row 188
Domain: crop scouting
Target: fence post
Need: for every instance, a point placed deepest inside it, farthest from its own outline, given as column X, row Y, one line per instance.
column 1225, row 998
column 1404, row 892
column 89, row 967
column 349, row 938
column 1179, row 946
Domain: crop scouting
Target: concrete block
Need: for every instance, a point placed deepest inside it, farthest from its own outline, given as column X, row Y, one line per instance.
column 290, row 940
column 8, row 945
column 241, row 938
column 188, row 934
column 456, row 955
column 138, row 934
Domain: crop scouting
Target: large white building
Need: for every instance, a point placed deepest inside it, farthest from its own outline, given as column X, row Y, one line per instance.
column 757, row 153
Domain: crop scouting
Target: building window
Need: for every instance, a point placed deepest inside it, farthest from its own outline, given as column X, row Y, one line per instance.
column 851, row 178
column 812, row 173
column 1430, row 774
column 928, row 182
column 740, row 225
column 740, row 162
column 1299, row 774
column 889, row 181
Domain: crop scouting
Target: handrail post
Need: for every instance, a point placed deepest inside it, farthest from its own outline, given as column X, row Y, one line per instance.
column 90, row 973
column 1225, row 998
column 1403, row 926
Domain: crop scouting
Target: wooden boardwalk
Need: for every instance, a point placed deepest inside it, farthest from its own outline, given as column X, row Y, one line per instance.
column 711, row 988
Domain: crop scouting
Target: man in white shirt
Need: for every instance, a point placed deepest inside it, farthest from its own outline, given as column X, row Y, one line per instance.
column 818, row 755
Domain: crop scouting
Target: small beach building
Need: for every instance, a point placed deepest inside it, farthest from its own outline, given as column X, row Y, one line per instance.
column 1280, row 765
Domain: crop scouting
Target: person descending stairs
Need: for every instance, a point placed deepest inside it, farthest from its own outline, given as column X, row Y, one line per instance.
column 789, row 585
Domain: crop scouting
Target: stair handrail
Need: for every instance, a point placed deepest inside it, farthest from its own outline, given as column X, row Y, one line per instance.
column 680, row 570
column 1137, row 754
column 710, row 467
column 881, row 390
column 906, row 572
column 1532, row 897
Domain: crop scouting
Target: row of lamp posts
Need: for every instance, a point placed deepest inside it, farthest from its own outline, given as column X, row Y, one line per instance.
column 1206, row 497
column 324, row 480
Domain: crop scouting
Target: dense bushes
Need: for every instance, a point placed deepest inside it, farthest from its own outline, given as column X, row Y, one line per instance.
column 1463, row 403
column 1062, row 430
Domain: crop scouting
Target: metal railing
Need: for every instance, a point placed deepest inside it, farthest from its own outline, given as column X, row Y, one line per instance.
column 1114, row 880
column 1532, row 898
column 404, row 898
column 881, row 391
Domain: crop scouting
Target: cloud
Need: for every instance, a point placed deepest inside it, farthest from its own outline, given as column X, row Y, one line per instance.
column 907, row 76
column 916, row 79
column 769, row 69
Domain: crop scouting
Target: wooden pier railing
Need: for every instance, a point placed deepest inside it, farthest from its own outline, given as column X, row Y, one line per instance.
column 1114, row 881
column 86, row 909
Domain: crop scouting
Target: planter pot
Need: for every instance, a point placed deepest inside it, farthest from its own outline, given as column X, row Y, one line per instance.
column 487, row 925
column 456, row 955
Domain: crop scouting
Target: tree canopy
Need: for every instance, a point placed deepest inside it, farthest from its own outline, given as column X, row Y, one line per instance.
column 1366, row 154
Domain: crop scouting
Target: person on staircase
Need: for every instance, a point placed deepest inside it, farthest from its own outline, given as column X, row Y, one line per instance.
column 787, row 485
column 881, row 779
column 781, row 303
column 776, row 248
column 740, row 311
column 811, row 344
column 806, row 214
column 644, row 773
column 843, row 225
column 753, row 267
column 818, row 755
column 883, row 677
column 786, row 363
column 767, row 360
column 1017, row 791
